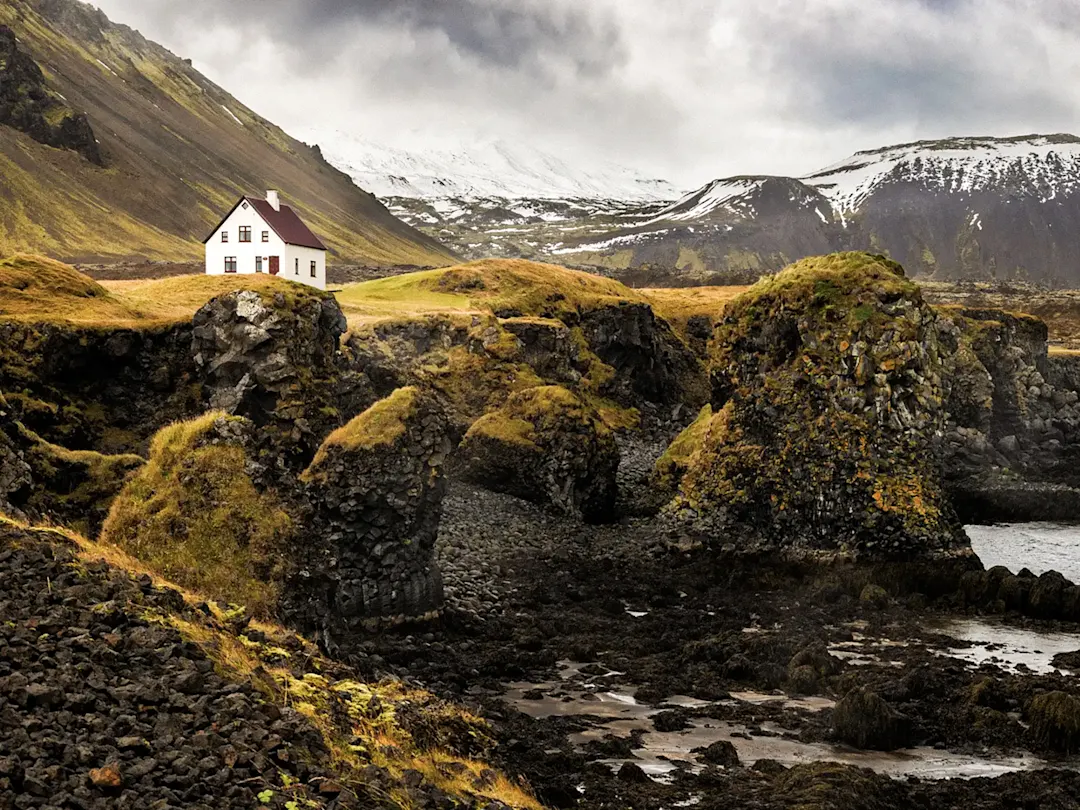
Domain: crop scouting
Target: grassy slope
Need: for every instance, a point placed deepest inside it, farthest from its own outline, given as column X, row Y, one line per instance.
column 38, row 290
column 176, row 158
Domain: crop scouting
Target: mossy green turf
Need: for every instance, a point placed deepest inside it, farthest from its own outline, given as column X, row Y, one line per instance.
column 534, row 411
column 193, row 515
column 34, row 289
column 379, row 426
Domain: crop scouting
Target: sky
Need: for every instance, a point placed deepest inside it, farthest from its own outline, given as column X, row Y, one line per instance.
column 686, row 90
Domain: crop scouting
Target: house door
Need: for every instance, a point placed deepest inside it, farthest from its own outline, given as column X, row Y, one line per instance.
column 275, row 265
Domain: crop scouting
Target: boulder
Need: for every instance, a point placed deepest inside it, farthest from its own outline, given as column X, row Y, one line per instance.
column 828, row 401
column 863, row 719
column 1055, row 722
column 373, row 500
column 721, row 753
column 545, row 445
column 273, row 357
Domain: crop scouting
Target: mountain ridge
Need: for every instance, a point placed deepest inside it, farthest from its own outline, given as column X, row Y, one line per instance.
column 978, row 207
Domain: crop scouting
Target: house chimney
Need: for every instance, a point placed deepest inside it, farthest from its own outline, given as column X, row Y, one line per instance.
column 274, row 200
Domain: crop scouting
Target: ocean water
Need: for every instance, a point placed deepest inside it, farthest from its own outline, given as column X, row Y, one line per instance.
column 1039, row 547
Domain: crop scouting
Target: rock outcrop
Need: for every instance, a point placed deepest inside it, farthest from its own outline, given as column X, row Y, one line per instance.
column 374, row 494
column 1013, row 436
column 646, row 354
column 45, row 482
column 274, row 359
column 205, row 513
column 545, row 445
column 27, row 104
column 829, row 404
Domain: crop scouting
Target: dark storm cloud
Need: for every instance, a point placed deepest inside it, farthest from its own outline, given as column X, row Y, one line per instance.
column 525, row 35
column 689, row 88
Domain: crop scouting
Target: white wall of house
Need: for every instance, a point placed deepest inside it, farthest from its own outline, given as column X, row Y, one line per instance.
column 297, row 265
column 255, row 256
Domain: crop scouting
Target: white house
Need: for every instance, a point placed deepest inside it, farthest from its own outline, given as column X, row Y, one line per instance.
column 264, row 236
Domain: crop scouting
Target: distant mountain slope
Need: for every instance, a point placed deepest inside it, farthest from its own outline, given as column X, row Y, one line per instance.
column 962, row 207
column 491, row 169
column 176, row 150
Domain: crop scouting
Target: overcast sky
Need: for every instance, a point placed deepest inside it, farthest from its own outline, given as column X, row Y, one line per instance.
column 689, row 90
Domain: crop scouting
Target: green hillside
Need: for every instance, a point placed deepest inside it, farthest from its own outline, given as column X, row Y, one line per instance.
column 177, row 152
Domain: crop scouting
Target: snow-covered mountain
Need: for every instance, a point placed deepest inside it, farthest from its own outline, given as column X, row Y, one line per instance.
column 485, row 170
column 1040, row 167
column 961, row 207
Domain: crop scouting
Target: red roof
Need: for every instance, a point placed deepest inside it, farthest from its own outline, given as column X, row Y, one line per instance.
column 285, row 223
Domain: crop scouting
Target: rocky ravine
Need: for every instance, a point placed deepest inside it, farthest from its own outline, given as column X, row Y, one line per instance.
column 812, row 505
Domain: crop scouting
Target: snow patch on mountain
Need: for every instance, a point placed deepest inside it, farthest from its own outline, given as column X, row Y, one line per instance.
column 1038, row 166
column 488, row 169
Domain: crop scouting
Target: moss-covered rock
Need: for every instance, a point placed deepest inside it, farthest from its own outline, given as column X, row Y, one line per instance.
column 545, row 445
column 829, row 404
column 863, row 719
column 46, row 482
column 374, row 497
column 1055, row 722
column 676, row 459
column 832, row 786
column 196, row 514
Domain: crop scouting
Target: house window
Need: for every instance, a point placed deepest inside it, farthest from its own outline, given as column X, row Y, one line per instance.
column 297, row 270
column 258, row 264
column 230, row 264
column 224, row 236
column 245, row 233
column 313, row 265
column 266, row 236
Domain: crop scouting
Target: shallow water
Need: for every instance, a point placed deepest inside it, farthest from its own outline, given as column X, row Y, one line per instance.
column 1011, row 648
column 1039, row 547
column 664, row 753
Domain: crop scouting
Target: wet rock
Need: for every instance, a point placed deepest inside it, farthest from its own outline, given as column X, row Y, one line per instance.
column 545, row 445
column 1055, row 722
column 721, row 753
column 671, row 720
column 632, row 774
column 816, row 656
column 863, row 719
column 874, row 596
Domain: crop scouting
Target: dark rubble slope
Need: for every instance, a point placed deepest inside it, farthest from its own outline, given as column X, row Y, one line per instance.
column 105, row 703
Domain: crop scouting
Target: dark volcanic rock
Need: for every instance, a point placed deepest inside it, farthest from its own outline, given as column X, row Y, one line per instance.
column 1013, row 434
column 545, row 445
column 865, row 720
column 276, row 362
column 1055, row 722
column 644, row 351
column 89, row 713
column 374, row 495
column 828, row 400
